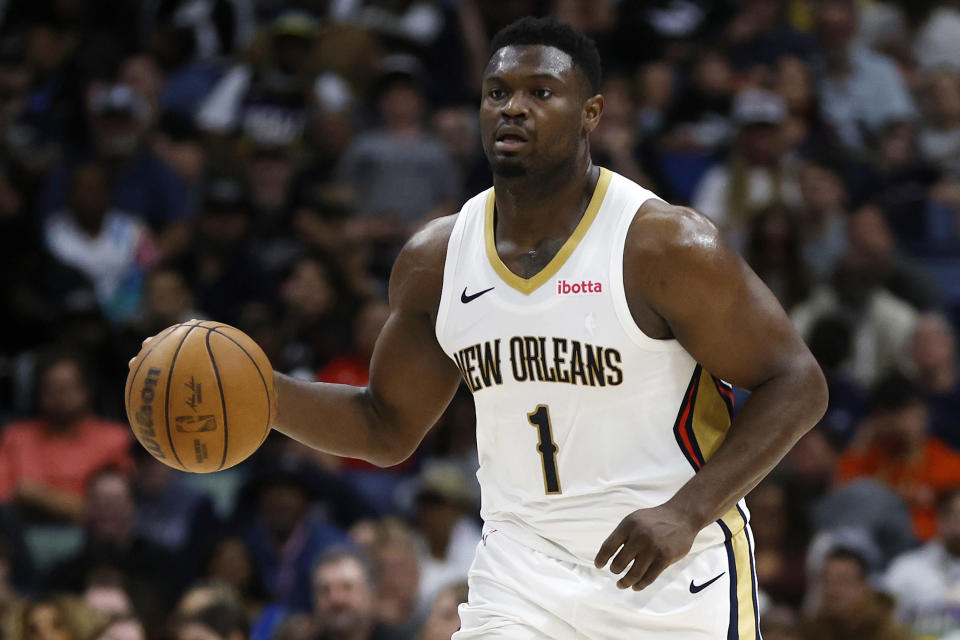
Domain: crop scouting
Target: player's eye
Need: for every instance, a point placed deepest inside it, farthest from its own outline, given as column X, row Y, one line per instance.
column 542, row 94
column 496, row 94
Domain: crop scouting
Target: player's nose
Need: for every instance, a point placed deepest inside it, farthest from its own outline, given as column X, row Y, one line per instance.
column 515, row 107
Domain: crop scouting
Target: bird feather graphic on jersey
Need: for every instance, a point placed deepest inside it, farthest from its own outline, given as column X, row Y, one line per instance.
column 540, row 359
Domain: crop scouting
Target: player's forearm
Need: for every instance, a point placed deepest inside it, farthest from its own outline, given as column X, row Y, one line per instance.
column 336, row 418
column 772, row 420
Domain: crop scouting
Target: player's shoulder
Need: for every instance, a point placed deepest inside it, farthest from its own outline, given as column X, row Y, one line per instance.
column 664, row 230
column 417, row 276
column 428, row 245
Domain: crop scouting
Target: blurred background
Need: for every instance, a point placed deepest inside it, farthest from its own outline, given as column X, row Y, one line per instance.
column 260, row 162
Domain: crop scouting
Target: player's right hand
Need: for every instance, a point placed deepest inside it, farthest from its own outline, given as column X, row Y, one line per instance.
column 652, row 539
column 143, row 345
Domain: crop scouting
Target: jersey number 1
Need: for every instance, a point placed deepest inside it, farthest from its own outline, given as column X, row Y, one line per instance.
column 547, row 448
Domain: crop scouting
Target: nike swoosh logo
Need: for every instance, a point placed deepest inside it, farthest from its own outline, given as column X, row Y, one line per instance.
column 697, row 588
column 464, row 298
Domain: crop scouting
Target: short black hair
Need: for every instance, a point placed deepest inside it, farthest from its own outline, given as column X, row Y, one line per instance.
column 853, row 555
column 894, row 392
column 548, row 32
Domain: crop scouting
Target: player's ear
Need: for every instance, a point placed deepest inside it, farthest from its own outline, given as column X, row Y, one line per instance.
column 592, row 110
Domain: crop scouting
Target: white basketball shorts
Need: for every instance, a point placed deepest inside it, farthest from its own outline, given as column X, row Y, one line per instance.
column 523, row 594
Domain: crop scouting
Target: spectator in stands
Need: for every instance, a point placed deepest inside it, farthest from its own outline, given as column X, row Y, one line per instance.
column 125, row 627
column 217, row 622
column 318, row 306
column 58, row 618
column 47, row 462
column 267, row 99
column 882, row 323
column 939, row 139
column 167, row 300
column 458, row 129
column 937, row 42
column 804, row 129
column 111, row 247
column 288, row 533
column 871, row 246
column 933, row 352
column 780, row 622
column 780, row 540
column 760, row 34
column 344, row 599
column 204, row 594
column 901, row 183
column 616, row 141
column 774, row 252
column 221, row 264
column 448, row 534
column 173, row 513
column 141, row 183
column 830, row 343
column 403, row 175
column 113, row 552
column 396, row 565
column 444, row 619
column 849, row 609
column 926, row 581
column 108, row 598
column 231, row 563
column 823, row 215
column 893, row 446
column 756, row 175
column 687, row 123
column 860, row 90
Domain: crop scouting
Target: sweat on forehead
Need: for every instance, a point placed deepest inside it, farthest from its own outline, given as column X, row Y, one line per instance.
column 530, row 60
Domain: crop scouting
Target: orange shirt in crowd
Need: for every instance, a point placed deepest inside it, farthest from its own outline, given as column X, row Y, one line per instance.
column 936, row 468
column 30, row 450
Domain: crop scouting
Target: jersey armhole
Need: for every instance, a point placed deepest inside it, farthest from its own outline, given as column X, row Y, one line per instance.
column 619, row 294
column 449, row 271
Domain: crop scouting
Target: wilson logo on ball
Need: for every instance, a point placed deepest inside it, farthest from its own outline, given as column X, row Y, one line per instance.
column 144, row 416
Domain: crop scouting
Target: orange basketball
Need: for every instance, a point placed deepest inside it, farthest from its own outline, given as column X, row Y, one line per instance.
column 200, row 396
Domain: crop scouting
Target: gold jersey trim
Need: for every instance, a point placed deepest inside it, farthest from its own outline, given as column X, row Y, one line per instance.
column 529, row 285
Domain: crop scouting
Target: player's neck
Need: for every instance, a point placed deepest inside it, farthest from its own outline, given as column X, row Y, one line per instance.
column 533, row 207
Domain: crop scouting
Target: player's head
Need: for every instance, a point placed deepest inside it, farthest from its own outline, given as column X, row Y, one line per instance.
column 540, row 97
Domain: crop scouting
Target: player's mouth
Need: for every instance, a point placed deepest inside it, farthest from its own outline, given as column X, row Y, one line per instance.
column 510, row 139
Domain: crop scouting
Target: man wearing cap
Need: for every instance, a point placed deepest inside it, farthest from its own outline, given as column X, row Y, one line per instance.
column 142, row 183
column 401, row 172
column 756, row 175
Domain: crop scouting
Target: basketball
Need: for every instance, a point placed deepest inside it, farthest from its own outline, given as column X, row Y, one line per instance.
column 200, row 396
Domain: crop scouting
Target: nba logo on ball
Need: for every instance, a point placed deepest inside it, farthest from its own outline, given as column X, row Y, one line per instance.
column 200, row 396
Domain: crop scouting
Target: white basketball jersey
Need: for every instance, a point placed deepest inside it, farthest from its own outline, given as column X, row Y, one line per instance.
column 581, row 417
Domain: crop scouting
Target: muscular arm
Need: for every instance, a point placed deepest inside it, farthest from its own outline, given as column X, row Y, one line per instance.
column 411, row 379
column 683, row 282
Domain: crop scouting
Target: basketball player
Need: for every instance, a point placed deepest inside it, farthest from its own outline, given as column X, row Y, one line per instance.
column 597, row 327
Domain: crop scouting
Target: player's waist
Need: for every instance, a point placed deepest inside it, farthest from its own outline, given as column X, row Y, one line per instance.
column 578, row 540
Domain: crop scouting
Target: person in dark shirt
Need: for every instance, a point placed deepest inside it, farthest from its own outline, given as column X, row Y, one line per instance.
column 933, row 350
column 112, row 551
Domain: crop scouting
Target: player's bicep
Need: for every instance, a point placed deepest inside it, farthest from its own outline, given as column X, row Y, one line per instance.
column 411, row 379
column 736, row 328
column 717, row 307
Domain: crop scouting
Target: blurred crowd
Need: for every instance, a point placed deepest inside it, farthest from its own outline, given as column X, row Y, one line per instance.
column 260, row 162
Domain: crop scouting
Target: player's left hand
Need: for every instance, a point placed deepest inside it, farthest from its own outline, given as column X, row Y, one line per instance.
column 652, row 539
